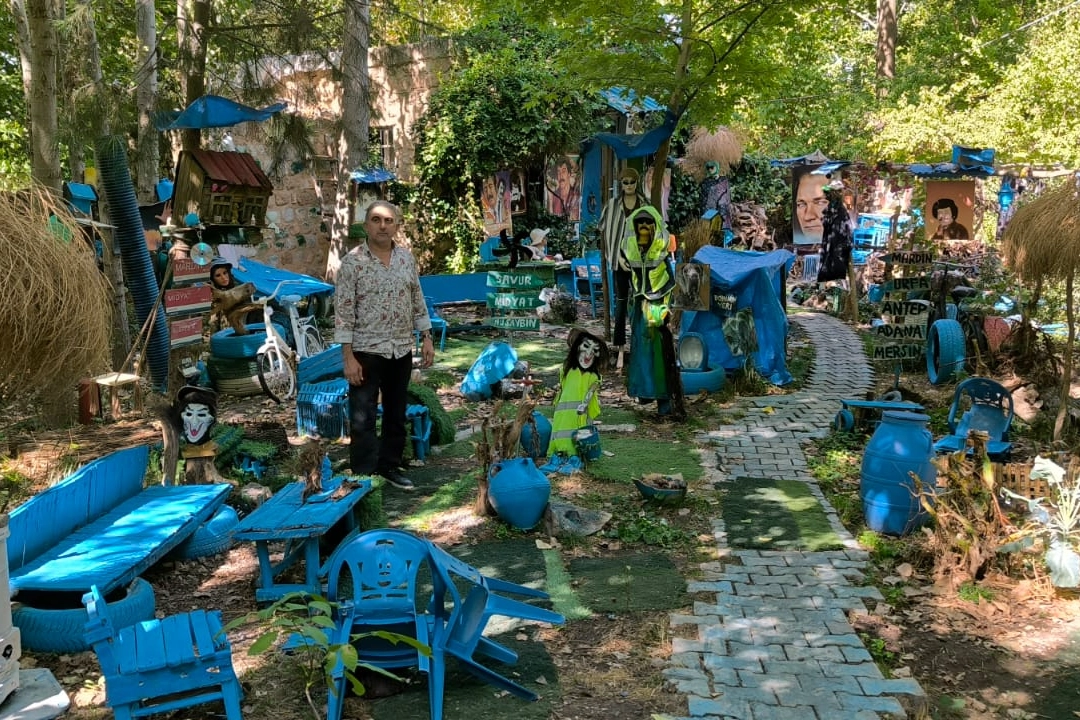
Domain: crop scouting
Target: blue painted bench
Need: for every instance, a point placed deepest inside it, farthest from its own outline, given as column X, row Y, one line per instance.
column 101, row 527
column 449, row 289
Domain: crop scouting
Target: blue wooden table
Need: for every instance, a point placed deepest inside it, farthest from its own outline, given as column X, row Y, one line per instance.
column 287, row 517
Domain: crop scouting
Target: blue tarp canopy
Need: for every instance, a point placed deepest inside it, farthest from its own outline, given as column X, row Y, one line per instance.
column 266, row 279
column 627, row 102
column 372, row 175
column 212, row 111
column 756, row 281
column 633, row 146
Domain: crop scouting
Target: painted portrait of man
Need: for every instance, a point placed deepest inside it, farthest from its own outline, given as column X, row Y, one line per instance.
column 562, row 181
column 808, row 205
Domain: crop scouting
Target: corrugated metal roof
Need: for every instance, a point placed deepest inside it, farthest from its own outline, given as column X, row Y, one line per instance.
column 626, row 101
column 232, row 168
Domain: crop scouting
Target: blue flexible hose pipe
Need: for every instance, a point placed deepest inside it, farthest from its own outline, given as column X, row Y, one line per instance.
column 138, row 269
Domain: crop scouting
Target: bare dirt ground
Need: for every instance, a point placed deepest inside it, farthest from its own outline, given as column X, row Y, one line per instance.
column 1012, row 656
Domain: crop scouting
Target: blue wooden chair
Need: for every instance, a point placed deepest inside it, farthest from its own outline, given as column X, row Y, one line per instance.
column 587, row 278
column 981, row 404
column 374, row 577
column 438, row 325
column 158, row 666
column 460, row 632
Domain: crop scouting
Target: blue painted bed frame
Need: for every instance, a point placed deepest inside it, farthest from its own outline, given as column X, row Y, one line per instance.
column 100, row 526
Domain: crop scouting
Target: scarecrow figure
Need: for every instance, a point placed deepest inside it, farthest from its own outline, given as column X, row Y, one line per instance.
column 577, row 403
column 190, row 419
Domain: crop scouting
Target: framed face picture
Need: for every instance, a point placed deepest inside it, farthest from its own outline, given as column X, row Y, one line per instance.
column 518, row 204
column 692, row 286
column 808, row 205
column 950, row 209
column 562, row 187
column 495, row 202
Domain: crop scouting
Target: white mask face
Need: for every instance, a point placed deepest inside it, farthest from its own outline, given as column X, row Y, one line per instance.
column 197, row 421
column 587, row 351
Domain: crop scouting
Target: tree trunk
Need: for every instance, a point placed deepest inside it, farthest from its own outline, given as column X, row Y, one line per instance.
column 352, row 146
column 1066, row 371
column 22, row 32
column 44, row 51
column 886, row 42
column 192, row 17
column 146, row 149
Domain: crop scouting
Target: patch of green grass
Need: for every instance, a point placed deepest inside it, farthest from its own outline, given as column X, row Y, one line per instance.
column 885, row 658
column 972, row 593
column 634, row 456
column 458, row 450
column 450, row 494
column 836, row 458
column 560, row 588
column 544, row 355
column 436, row 378
column 458, row 414
column 882, row 547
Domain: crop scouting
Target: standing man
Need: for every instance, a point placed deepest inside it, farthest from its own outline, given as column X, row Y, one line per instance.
column 613, row 230
column 378, row 307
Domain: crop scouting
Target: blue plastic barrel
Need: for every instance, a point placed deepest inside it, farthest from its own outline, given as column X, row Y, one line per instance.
column 900, row 446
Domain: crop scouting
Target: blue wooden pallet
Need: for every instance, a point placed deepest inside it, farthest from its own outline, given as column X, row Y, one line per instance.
column 100, row 526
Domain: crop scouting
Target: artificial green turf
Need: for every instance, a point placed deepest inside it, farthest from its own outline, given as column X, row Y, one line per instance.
column 775, row 515
column 626, row 582
column 633, row 456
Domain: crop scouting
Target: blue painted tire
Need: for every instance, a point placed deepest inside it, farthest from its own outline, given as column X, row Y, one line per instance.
column 227, row 344
column 61, row 631
column 944, row 351
column 212, row 537
column 707, row 380
column 844, row 421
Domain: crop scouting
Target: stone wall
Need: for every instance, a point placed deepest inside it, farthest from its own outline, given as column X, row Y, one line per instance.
column 299, row 212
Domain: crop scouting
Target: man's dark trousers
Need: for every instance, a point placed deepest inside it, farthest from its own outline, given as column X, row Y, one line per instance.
column 369, row 454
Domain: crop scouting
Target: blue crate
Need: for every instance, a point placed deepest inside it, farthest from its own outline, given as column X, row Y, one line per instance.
column 323, row 409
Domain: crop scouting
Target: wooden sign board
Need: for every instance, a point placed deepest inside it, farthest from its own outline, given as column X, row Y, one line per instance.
column 515, row 323
column 898, row 352
column 514, row 301
column 185, row 332
column 903, row 334
column 910, row 257
column 514, row 281
column 185, row 271
column 905, row 308
column 907, row 284
column 187, row 300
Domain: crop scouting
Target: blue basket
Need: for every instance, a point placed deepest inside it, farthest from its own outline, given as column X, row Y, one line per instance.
column 323, row 409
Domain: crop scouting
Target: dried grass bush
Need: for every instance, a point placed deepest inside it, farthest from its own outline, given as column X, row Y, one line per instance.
column 55, row 312
column 722, row 145
column 697, row 235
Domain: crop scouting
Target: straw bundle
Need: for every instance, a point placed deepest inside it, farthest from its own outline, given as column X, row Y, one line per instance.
column 1042, row 239
column 697, row 235
column 722, row 145
column 55, row 312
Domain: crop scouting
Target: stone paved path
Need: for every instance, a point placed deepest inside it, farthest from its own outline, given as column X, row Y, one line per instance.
column 773, row 640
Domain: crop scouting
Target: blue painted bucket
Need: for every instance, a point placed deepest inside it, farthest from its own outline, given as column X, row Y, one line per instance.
column 587, row 443
column 901, row 445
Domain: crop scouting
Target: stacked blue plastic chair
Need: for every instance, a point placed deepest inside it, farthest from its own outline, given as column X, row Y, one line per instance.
column 991, row 411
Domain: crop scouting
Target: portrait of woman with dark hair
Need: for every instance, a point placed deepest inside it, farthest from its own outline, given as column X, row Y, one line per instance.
column 945, row 212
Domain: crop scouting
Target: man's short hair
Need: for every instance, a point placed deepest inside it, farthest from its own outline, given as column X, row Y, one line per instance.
column 385, row 205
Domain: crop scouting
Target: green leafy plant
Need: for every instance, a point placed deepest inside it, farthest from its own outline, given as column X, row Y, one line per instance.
column 648, row 529
column 308, row 621
column 1055, row 520
column 879, row 651
column 972, row 593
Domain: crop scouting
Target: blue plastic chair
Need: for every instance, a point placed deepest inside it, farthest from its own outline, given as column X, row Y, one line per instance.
column 461, row 630
column 438, row 324
column 158, row 666
column 989, row 408
column 587, row 278
column 374, row 577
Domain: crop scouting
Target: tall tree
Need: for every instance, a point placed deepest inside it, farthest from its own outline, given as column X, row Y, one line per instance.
column 352, row 144
column 41, row 16
column 146, row 88
column 192, row 18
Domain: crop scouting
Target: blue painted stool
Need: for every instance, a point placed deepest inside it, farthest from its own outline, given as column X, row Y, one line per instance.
column 420, row 418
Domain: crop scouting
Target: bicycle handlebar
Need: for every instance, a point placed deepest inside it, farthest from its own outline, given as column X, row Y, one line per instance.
column 267, row 298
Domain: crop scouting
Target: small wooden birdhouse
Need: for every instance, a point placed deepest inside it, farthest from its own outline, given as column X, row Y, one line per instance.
column 227, row 188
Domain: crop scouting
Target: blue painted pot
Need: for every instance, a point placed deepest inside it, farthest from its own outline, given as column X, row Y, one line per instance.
column 587, row 443
column 900, row 446
column 518, row 491
column 535, row 442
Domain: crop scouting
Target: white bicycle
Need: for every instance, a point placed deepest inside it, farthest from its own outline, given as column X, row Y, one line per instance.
column 275, row 359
